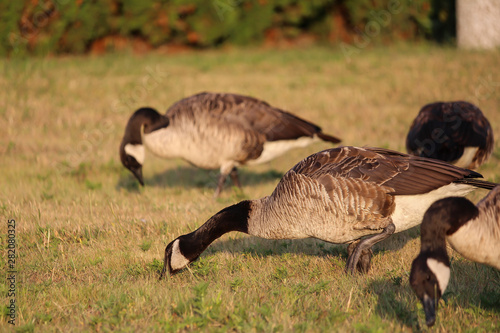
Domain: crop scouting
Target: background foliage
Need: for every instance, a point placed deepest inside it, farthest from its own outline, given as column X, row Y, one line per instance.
column 61, row 26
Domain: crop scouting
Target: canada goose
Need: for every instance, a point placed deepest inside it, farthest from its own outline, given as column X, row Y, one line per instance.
column 337, row 195
column 216, row 131
column 472, row 231
column 455, row 132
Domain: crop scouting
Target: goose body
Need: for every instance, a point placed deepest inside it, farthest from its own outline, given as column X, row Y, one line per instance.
column 455, row 132
column 216, row 131
column 338, row 195
column 473, row 231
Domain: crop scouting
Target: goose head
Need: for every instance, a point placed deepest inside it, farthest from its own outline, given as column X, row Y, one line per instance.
column 132, row 152
column 132, row 157
column 175, row 259
column 429, row 278
column 187, row 248
column 430, row 271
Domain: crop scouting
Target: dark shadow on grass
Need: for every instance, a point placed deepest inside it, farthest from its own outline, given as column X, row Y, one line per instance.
column 192, row 177
column 490, row 296
column 484, row 294
column 398, row 240
column 394, row 302
column 263, row 247
column 129, row 183
column 259, row 247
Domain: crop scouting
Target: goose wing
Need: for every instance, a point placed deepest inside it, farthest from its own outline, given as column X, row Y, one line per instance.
column 403, row 174
column 443, row 130
column 489, row 208
column 249, row 112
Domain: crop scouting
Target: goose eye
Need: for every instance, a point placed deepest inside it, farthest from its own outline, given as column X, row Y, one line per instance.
column 428, row 277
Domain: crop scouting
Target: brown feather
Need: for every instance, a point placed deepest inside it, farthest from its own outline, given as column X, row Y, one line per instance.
column 443, row 130
column 250, row 113
column 403, row 174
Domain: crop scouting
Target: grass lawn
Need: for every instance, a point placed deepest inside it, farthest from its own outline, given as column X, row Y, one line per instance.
column 90, row 241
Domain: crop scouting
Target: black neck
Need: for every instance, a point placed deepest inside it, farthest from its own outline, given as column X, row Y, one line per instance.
column 232, row 218
column 443, row 218
column 148, row 118
column 432, row 236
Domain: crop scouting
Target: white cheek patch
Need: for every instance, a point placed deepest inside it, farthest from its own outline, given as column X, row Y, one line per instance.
column 177, row 260
column 441, row 271
column 136, row 151
column 467, row 157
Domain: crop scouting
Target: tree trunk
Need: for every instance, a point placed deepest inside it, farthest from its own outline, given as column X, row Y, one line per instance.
column 478, row 24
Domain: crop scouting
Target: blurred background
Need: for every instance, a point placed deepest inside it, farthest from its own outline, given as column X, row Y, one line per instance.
column 41, row 27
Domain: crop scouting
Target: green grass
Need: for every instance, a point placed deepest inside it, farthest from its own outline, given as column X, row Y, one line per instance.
column 91, row 241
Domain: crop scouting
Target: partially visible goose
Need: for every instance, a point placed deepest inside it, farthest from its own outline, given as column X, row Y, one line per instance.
column 472, row 231
column 216, row 131
column 455, row 132
column 338, row 195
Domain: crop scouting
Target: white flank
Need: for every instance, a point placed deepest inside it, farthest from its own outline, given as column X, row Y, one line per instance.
column 177, row 260
column 273, row 149
column 172, row 142
column 441, row 271
column 136, row 151
column 410, row 209
column 466, row 159
column 166, row 142
column 478, row 239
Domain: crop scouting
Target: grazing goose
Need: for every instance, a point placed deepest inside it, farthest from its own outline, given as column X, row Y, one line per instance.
column 338, row 195
column 216, row 131
column 455, row 132
column 472, row 231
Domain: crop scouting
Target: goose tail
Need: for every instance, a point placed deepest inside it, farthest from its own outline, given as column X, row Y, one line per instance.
column 484, row 184
column 329, row 138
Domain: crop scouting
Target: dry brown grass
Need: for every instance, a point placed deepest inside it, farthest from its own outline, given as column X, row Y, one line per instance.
column 89, row 239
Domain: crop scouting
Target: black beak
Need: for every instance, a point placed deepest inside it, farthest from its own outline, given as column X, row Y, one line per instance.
column 138, row 174
column 429, row 309
column 163, row 271
column 166, row 261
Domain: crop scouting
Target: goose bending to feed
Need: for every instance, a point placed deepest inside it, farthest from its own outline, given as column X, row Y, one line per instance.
column 337, row 195
column 472, row 231
column 216, row 131
column 455, row 132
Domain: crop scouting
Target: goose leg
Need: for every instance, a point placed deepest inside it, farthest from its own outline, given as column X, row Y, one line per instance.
column 365, row 258
column 360, row 252
column 234, row 177
column 220, row 185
